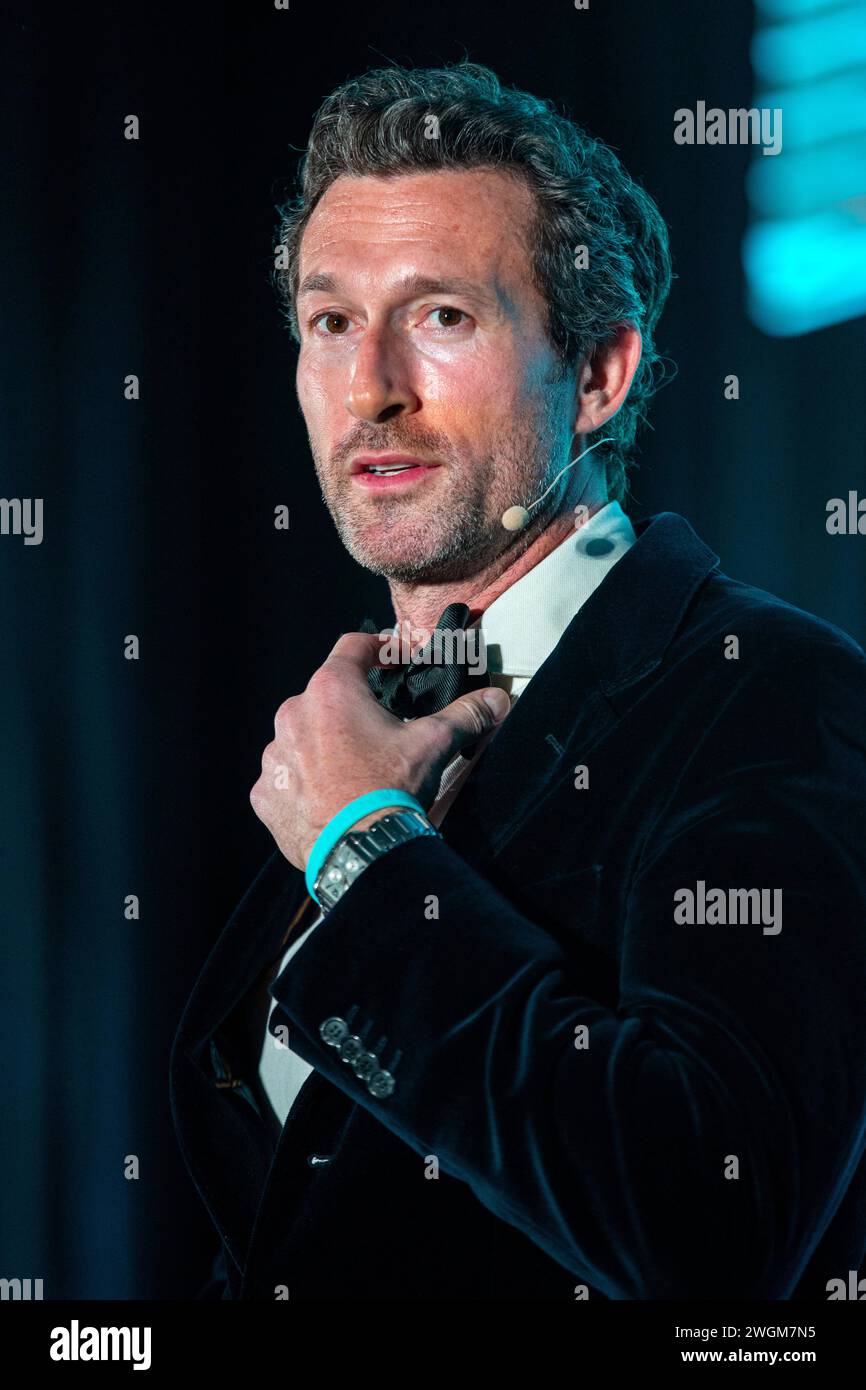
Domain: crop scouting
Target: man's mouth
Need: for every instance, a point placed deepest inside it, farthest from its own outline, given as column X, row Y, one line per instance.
column 396, row 470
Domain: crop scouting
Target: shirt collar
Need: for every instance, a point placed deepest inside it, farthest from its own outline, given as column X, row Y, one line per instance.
column 524, row 624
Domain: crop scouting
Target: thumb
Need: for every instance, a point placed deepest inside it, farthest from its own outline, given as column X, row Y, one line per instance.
column 472, row 715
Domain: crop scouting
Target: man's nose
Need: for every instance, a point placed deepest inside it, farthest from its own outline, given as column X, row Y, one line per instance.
column 380, row 385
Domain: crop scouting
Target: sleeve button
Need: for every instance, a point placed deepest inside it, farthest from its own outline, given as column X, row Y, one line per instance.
column 381, row 1084
column 351, row 1048
column 333, row 1031
column 365, row 1065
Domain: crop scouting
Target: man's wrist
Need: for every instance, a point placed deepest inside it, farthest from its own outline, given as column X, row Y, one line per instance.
column 368, row 804
column 358, row 847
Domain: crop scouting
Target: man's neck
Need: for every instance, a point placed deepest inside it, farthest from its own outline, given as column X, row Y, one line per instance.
column 421, row 605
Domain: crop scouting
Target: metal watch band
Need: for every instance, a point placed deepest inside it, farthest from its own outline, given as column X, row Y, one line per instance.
column 358, row 848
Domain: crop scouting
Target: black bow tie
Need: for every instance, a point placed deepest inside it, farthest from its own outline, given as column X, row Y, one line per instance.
column 429, row 683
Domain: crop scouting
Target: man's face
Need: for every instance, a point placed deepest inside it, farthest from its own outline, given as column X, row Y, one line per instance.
column 424, row 336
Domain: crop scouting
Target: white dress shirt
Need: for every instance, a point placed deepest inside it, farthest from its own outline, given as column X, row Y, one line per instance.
column 521, row 629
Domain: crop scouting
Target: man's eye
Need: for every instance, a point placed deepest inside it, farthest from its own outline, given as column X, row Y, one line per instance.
column 333, row 325
column 451, row 315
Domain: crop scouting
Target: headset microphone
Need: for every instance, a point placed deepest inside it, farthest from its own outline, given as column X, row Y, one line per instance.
column 517, row 517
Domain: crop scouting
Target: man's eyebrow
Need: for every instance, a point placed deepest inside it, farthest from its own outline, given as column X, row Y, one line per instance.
column 410, row 284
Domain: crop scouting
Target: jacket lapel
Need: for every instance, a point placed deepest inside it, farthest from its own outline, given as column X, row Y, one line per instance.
column 613, row 643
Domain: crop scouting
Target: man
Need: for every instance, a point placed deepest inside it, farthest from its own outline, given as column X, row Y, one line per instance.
column 558, row 996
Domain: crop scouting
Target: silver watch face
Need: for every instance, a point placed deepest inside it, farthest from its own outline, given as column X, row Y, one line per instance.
column 330, row 889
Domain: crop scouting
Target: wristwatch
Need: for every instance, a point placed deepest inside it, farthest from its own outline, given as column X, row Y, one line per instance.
column 358, row 848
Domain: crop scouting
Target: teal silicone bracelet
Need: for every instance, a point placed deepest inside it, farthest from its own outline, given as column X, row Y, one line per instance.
column 345, row 819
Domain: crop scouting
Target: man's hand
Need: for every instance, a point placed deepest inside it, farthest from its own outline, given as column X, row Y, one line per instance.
column 336, row 742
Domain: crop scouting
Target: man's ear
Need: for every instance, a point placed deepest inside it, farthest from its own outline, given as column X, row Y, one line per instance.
column 606, row 374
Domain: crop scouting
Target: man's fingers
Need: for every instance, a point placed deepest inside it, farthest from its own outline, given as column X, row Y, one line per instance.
column 466, row 719
column 456, row 726
column 356, row 649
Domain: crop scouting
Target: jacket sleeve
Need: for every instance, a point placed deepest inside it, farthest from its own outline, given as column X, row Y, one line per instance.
column 701, row 1141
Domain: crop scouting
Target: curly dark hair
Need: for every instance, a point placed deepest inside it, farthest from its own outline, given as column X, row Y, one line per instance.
column 379, row 124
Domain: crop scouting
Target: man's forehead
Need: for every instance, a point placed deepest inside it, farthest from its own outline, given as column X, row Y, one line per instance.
column 478, row 215
column 441, row 191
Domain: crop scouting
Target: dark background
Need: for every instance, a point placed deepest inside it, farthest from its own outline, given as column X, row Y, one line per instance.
column 154, row 257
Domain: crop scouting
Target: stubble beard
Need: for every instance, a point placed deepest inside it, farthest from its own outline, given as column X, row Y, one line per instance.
column 453, row 537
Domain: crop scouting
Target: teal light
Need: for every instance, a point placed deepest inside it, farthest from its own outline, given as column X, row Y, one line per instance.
column 794, row 9
column 804, row 253
column 806, row 273
column 821, row 110
column 802, row 49
column 796, row 182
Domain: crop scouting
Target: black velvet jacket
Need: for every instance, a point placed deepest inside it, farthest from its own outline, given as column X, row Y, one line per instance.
column 620, row 1104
